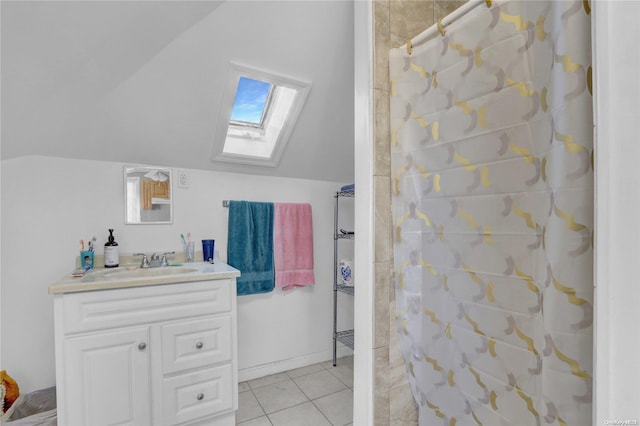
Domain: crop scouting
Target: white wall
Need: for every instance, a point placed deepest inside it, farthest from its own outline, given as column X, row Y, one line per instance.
column 49, row 204
column 617, row 116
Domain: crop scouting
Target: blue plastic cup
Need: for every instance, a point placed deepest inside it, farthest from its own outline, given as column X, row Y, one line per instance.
column 207, row 250
column 86, row 259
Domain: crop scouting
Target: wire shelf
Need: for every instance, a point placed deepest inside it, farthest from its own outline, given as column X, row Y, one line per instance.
column 346, row 338
column 341, row 236
column 350, row 193
column 345, row 289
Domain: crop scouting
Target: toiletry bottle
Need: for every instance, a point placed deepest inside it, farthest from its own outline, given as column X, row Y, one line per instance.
column 111, row 255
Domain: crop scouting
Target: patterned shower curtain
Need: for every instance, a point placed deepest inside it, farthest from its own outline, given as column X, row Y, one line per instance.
column 492, row 171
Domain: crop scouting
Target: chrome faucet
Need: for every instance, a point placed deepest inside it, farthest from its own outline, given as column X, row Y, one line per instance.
column 155, row 260
column 164, row 261
column 145, row 261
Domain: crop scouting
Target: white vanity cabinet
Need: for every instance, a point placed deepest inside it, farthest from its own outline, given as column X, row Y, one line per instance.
column 162, row 354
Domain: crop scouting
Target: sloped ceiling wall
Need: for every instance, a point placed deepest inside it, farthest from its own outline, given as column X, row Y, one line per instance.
column 142, row 81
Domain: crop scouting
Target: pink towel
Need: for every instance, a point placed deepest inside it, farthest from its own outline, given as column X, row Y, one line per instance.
column 293, row 245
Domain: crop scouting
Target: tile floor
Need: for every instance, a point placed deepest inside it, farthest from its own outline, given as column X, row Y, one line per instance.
column 317, row 395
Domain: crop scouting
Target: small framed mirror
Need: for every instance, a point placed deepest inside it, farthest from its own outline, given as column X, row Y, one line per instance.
column 148, row 195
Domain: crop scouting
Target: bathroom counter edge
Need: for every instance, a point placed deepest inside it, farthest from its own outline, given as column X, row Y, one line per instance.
column 93, row 281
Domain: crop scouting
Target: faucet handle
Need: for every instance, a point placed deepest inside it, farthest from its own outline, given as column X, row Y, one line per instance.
column 145, row 261
column 164, row 261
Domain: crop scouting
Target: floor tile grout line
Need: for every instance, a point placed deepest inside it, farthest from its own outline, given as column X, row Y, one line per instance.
column 248, row 420
column 311, row 401
column 332, row 393
column 304, row 402
column 303, row 375
column 300, row 389
column 347, row 385
column 268, row 384
column 264, row 413
column 323, row 415
column 286, row 372
column 288, row 408
column 321, row 396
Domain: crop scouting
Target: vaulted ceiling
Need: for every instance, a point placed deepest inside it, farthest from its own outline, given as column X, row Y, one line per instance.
column 142, row 81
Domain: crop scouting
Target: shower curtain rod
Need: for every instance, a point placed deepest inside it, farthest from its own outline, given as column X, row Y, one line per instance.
column 443, row 22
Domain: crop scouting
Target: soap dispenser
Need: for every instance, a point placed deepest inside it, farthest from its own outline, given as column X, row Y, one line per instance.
column 111, row 255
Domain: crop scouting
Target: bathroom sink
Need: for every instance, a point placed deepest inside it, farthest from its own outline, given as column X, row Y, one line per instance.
column 153, row 272
column 132, row 275
column 117, row 274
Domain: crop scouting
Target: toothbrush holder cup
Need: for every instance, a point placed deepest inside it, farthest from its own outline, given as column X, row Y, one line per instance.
column 189, row 251
column 207, row 250
column 86, row 259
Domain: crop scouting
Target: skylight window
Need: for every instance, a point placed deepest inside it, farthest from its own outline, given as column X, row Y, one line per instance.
column 250, row 104
column 258, row 112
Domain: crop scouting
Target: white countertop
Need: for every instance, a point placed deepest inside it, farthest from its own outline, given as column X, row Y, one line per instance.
column 123, row 277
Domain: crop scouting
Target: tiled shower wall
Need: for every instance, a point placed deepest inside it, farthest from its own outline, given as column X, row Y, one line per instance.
column 395, row 22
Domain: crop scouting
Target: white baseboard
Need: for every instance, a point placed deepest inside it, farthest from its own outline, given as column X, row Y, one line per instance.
column 262, row 370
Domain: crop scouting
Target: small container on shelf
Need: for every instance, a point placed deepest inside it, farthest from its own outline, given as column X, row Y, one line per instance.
column 346, row 272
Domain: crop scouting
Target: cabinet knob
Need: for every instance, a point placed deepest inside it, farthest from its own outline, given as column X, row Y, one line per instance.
column 200, row 396
column 142, row 346
column 199, row 345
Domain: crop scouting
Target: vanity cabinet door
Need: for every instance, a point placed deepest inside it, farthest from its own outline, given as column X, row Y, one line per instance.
column 108, row 378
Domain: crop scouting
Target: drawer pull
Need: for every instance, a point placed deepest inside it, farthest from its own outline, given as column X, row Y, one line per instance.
column 199, row 345
column 200, row 396
column 142, row 346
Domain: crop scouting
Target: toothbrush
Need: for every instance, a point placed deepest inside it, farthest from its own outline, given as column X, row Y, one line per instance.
column 82, row 245
column 186, row 246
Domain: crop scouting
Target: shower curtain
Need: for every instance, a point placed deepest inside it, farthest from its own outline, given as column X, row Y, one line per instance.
column 492, row 172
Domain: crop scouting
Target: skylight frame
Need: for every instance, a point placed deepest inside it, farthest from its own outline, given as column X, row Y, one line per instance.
column 282, row 88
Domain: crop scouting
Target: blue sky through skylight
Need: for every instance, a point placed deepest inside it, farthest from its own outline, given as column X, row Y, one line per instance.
column 250, row 100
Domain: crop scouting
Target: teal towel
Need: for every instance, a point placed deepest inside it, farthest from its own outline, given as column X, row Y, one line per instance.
column 250, row 245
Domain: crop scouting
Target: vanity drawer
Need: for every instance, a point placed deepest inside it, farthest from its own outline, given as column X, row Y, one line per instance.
column 194, row 395
column 196, row 343
column 97, row 310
